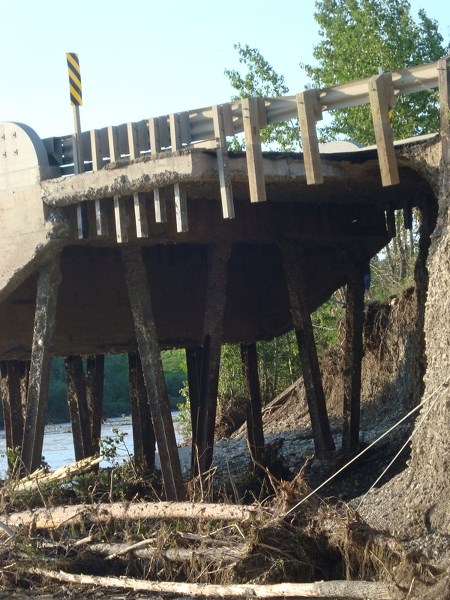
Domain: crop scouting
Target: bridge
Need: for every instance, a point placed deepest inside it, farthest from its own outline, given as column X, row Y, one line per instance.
column 151, row 235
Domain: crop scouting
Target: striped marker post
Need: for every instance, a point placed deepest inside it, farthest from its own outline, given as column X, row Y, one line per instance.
column 76, row 101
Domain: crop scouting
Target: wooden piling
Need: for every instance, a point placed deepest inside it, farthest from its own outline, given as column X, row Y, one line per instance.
column 218, row 259
column 78, row 407
column 323, row 440
column 146, row 335
column 444, row 107
column 194, row 370
column 353, row 353
column 255, row 430
column 41, row 355
column 143, row 433
column 95, row 369
column 13, row 392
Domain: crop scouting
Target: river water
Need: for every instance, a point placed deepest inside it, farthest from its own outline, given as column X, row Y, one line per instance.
column 58, row 442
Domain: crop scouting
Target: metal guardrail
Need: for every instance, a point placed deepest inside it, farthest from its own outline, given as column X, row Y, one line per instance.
column 197, row 126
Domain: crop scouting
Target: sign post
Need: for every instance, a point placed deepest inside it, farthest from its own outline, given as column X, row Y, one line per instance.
column 76, row 101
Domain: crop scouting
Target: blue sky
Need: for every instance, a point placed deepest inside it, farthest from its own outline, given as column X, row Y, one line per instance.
column 141, row 59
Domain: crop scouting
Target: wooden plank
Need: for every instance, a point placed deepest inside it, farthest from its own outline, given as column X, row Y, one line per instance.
column 155, row 133
column 179, row 190
column 180, row 208
column 309, row 112
column 353, row 353
column 101, row 216
column 78, row 407
column 113, row 143
column 140, row 215
column 133, row 142
column 147, row 339
column 41, row 355
column 226, row 192
column 121, row 220
column 381, row 96
column 323, row 440
column 444, row 107
column 255, row 429
column 255, row 167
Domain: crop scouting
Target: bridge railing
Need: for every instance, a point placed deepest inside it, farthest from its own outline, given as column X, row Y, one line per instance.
column 211, row 126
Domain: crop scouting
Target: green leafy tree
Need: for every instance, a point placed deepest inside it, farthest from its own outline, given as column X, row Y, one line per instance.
column 359, row 37
column 261, row 79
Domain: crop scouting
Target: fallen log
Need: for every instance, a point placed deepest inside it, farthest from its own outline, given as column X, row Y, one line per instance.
column 221, row 555
column 54, row 517
column 41, row 478
column 369, row 590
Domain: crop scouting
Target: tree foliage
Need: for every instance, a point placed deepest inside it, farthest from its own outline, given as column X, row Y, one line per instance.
column 261, row 79
column 359, row 37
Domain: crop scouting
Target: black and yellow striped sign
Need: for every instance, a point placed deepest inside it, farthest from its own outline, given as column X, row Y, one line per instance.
column 74, row 78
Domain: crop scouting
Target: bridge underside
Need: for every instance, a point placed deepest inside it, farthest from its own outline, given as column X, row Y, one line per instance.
column 332, row 226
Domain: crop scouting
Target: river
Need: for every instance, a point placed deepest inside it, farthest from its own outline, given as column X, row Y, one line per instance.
column 58, row 442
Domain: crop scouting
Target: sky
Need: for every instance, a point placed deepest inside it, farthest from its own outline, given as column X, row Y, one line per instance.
column 142, row 58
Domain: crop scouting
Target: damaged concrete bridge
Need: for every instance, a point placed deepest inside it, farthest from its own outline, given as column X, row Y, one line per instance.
column 151, row 235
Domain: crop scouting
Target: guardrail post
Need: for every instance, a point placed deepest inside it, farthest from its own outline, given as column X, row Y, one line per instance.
column 101, row 216
column 251, row 117
column 309, row 112
column 226, row 192
column 140, row 211
column 179, row 190
column 381, row 96
column 119, row 206
column 155, row 125
column 444, row 99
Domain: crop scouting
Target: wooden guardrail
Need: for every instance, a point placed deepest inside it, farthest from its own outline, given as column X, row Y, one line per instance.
column 210, row 126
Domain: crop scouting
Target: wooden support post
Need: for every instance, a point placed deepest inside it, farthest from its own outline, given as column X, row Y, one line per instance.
column 251, row 117
column 143, row 433
column 444, row 108
column 323, row 440
column 390, row 222
column 381, row 95
column 194, row 371
column 309, row 112
column 407, row 215
column 154, row 127
column 95, row 369
column 101, row 216
column 353, row 353
column 226, row 192
column 78, row 407
column 41, row 356
column 218, row 260
column 255, row 430
column 179, row 190
column 13, row 392
column 140, row 211
column 145, row 326
column 119, row 203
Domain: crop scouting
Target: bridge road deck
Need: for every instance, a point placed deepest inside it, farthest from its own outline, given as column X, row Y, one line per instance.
column 191, row 248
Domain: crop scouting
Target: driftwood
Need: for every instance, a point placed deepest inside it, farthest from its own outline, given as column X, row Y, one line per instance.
column 41, row 477
column 229, row 554
column 54, row 517
column 321, row 589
